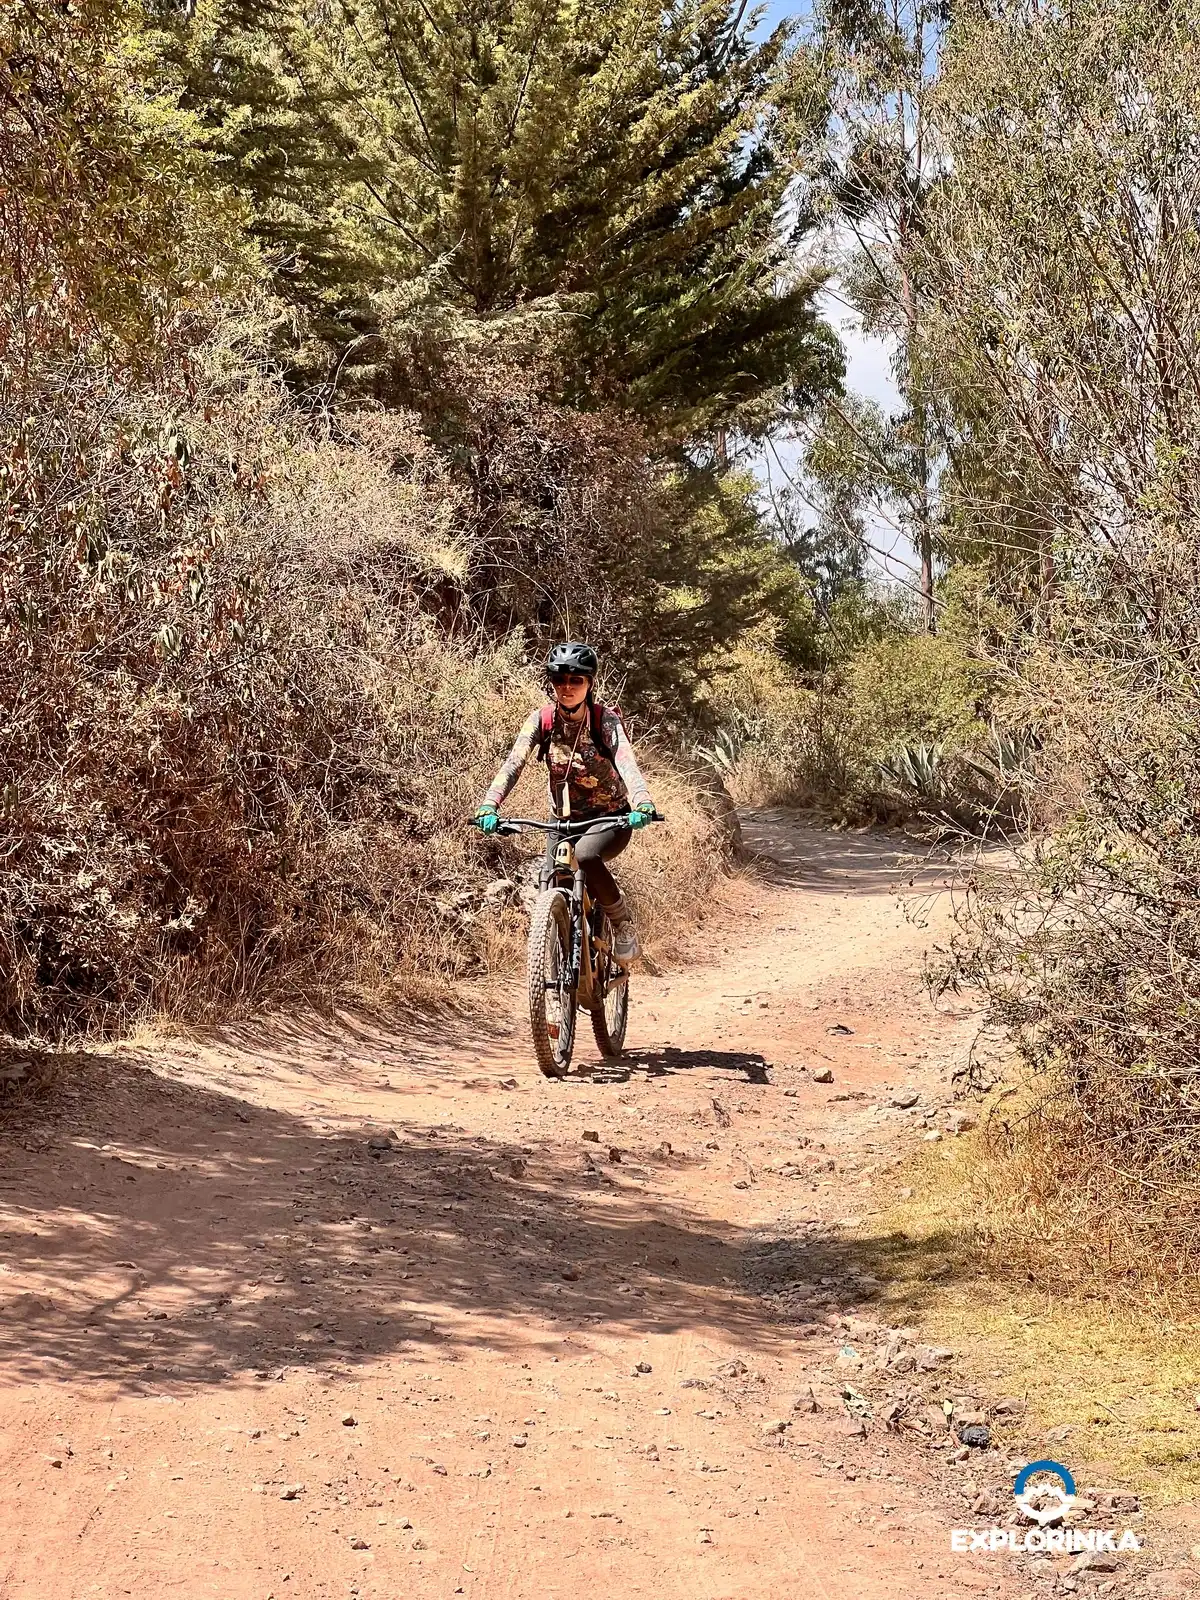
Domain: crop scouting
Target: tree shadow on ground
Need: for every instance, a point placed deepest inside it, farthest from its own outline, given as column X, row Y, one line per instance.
column 896, row 1274
column 782, row 849
column 748, row 1065
column 416, row 1035
column 156, row 1233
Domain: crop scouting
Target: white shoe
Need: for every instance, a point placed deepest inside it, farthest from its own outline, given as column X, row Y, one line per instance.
column 625, row 941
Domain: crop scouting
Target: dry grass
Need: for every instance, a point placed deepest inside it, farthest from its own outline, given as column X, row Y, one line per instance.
column 1029, row 1315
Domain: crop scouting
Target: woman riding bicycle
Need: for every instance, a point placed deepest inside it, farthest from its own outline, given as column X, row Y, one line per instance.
column 593, row 773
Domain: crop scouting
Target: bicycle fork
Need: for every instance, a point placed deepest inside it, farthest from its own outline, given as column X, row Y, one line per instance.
column 581, row 966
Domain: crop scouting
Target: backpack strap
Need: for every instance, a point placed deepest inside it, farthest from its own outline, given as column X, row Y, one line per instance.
column 545, row 729
column 599, row 712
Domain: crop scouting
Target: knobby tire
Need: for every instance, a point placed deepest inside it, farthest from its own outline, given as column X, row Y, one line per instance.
column 549, row 955
column 610, row 1016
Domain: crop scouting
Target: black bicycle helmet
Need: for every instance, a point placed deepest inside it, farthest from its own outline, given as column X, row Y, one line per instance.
column 573, row 657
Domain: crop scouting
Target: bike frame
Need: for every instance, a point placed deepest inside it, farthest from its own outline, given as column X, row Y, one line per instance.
column 565, row 874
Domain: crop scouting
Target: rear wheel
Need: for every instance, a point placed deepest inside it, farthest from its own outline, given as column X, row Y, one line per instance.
column 610, row 1003
column 551, row 995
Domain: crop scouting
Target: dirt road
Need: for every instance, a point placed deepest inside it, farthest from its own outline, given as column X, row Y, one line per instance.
column 538, row 1341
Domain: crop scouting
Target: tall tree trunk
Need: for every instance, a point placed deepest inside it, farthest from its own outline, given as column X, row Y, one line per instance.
column 928, row 614
column 924, row 522
column 922, row 509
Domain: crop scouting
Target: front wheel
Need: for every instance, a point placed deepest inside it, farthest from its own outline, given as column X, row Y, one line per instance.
column 610, row 1003
column 552, row 1001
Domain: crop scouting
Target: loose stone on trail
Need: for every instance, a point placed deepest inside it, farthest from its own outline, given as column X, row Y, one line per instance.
column 975, row 1434
column 930, row 1356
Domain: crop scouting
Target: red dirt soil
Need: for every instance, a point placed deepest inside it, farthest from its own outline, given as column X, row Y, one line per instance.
column 244, row 1354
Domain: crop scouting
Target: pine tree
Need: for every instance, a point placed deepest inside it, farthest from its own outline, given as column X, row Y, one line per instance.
column 110, row 222
column 608, row 168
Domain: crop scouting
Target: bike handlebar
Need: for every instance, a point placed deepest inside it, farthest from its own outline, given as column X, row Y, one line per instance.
column 568, row 830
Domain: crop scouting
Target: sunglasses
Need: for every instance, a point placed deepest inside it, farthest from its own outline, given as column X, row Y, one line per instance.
column 569, row 680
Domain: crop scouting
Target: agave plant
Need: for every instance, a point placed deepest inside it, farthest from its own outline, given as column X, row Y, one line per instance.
column 1002, row 764
column 916, row 769
column 728, row 745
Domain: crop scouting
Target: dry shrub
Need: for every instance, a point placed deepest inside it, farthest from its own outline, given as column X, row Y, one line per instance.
column 1086, row 943
column 1057, row 1195
column 240, row 749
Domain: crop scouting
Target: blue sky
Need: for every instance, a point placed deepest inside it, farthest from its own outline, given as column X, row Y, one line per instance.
column 777, row 11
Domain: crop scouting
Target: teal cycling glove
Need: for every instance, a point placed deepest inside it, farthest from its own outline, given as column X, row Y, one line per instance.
column 486, row 819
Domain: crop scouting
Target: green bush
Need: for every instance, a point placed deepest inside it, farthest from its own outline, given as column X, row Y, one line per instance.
column 915, row 688
column 823, row 739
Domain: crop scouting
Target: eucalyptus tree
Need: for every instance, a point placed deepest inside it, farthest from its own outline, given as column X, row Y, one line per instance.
column 1063, row 261
column 878, row 160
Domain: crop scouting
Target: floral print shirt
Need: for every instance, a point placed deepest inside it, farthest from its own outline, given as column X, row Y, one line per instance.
column 594, row 785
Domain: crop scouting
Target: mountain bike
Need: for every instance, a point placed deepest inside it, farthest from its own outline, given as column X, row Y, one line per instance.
column 570, row 962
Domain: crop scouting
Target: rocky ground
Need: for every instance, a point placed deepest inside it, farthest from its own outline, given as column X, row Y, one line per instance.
column 367, row 1308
